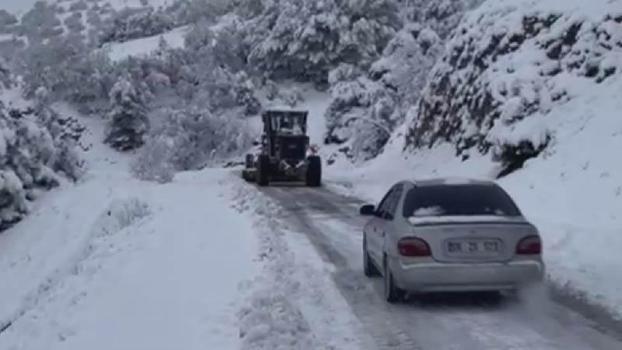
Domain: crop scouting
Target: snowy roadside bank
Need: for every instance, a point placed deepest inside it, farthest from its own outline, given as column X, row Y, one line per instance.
column 142, row 267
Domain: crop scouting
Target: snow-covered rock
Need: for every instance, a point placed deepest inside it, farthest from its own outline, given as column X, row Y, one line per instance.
column 509, row 66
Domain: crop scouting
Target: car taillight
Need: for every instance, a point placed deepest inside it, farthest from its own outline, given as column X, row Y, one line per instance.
column 531, row 245
column 413, row 247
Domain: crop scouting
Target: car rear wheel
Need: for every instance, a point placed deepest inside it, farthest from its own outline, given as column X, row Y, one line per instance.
column 369, row 268
column 392, row 293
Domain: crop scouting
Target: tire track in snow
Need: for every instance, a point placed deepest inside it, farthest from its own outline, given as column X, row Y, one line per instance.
column 364, row 302
column 289, row 306
column 119, row 215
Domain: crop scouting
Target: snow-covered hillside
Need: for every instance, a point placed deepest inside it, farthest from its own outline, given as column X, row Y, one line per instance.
column 508, row 69
column 520, row 76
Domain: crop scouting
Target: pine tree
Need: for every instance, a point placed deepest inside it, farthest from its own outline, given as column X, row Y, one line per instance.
column 128, row 117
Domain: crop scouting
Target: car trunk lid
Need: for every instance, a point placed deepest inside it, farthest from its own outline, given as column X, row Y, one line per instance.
column 475, row 239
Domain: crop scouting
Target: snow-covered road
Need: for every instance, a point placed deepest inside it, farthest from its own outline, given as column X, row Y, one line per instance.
column 532, row 321
column 210, row 262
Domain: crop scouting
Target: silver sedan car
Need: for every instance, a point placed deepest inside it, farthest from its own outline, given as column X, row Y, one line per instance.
column 448, row 235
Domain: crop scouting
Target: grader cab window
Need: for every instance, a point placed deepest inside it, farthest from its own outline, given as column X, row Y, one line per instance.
column 292, row 124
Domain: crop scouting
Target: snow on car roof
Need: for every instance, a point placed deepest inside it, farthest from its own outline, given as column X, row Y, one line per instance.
column 452, row 181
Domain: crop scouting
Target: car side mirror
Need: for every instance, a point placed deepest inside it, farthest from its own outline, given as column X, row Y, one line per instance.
column 368, row 210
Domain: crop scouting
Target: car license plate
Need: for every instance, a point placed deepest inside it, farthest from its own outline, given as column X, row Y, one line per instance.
column 473, row 247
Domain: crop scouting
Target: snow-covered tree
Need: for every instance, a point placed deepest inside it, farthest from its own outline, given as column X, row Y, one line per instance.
column 407, row 61
column 193, row 11
column 366, row 108
column 441, row 16
column 36, row 147
column 128, row 117
column 248, row 8
column 305, row 39
column 41, row 22
column 132, row 24
column 34, row 151
column 189, row 139
column 69, row 70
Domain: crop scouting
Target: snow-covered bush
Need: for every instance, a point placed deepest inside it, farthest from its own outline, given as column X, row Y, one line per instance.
column 128, row 117
column 193, row 11
column 248, row 8
column 507, row 66
column 211, row 69
column 190, row 139
column 132, row 24
column 34, row 151
column 69, row 70
column 407, row 61
column 365, row 109
column 74, row 23
column 441, row 16
column 78, row 6
column 121, row 213
column 223, row 45
column 41, row 22
column 361, row 113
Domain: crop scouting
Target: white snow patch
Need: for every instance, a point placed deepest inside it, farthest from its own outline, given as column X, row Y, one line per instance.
column 145, row 46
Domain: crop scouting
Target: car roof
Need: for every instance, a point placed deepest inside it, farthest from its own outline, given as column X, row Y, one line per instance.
column 450, row 181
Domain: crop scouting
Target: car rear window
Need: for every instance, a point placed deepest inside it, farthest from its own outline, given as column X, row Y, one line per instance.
column 459, row 200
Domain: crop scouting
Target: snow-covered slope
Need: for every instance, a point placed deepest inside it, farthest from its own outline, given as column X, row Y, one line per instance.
column 508, row 68
column 145, row 46
column 544, row 72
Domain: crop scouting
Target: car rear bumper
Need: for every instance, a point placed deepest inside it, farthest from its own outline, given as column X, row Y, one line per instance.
column 447, row 277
